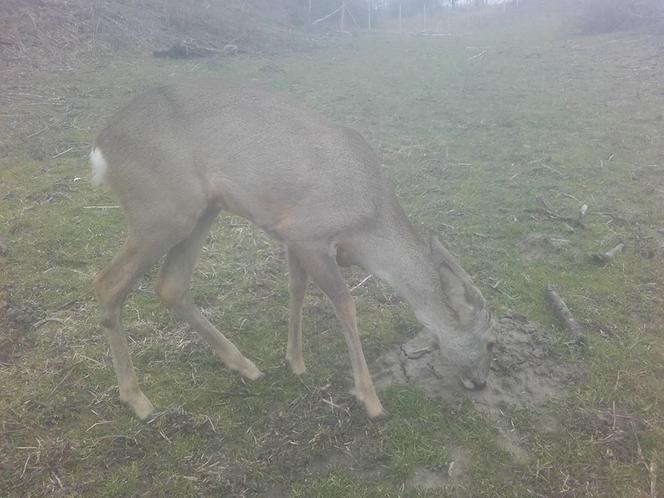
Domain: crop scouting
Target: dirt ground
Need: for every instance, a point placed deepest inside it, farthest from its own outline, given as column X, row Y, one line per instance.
column 525, row 373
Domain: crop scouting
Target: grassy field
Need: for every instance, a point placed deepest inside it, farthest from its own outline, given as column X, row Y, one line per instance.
column 477, row 130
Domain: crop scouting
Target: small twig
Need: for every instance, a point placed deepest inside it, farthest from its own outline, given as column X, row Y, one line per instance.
column 546, row 205
column 98, row 423
column 571, row 197
column 498, row 289
column 652, row 470
column 117, row 436
column 70, row 370
column 329, row 402
column 62, row 153
column 563, row 314
column 362, row 282
column 53, row 473
column 477, row 56
column 607, row 257
column 549, row 168
column 101, row 207
column 639, row 450
column 161, row 433
column 41, row 322
column 652, row 467
column 25, row 466
column 209, row 421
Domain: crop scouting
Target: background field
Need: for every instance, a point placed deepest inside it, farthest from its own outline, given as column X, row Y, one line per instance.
column 476, row 129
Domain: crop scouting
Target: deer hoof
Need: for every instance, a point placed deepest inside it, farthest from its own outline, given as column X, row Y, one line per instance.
column 250, row 371
column 375, row 410
column 140, row 404
column 297, row 366
column 371, row 403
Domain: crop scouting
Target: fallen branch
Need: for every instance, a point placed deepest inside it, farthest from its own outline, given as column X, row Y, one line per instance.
column 553, row 214
column 563, row 314
column 607, row 257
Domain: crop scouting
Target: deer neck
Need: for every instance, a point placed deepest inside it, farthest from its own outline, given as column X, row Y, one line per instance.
column 401, row 260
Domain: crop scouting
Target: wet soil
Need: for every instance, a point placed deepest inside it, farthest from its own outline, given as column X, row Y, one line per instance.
column 525, row 372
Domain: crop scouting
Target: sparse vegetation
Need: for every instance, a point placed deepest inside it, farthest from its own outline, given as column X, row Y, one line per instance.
column 471, row 141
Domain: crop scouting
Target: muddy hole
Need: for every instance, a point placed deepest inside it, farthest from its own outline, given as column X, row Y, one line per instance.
column 525, row 371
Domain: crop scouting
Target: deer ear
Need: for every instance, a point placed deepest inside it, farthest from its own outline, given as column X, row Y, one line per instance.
column 454, row 279
column 442, row 256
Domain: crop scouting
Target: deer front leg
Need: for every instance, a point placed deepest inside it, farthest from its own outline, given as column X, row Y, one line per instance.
column 324, row 271
column 297, row 286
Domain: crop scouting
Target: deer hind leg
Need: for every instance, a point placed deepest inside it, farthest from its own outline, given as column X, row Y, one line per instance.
column 297, row 286
column 112, row 286
column 324, row 271
column 173, row 289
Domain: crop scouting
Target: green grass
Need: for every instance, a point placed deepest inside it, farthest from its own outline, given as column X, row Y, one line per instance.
column 471, row 143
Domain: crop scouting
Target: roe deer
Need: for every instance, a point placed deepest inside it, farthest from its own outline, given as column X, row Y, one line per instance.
column 178, row 154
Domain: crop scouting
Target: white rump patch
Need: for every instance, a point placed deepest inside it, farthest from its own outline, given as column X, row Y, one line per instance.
column 99, row 166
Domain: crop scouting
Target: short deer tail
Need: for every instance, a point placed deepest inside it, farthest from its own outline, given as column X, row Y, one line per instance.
column 99, row 167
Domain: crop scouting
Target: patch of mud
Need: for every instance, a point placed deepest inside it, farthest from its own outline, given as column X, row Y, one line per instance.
column 524, row 373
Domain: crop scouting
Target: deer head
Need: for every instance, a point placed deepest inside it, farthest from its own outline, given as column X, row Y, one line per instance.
column 466, row 336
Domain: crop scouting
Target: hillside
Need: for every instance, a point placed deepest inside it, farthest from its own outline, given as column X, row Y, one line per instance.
column 35, row 33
